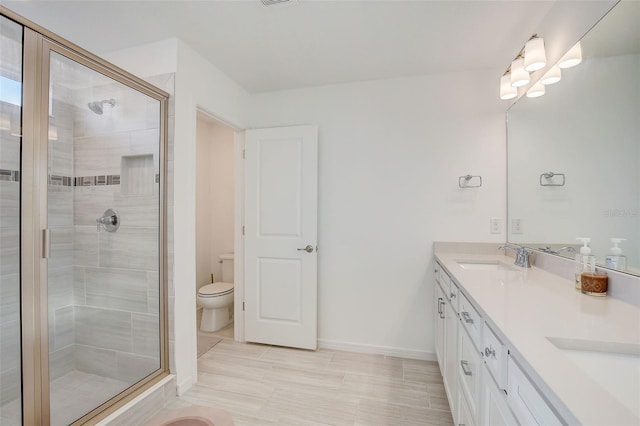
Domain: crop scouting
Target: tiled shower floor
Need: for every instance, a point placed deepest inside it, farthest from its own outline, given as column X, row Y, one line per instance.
column 76, row 393
column 72, row 396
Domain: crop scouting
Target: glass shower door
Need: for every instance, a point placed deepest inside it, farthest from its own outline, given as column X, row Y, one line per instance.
column 10, row 142
column 103, row 214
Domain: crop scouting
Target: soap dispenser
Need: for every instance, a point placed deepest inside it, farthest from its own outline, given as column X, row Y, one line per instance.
column 585, row 261
column 615, row 259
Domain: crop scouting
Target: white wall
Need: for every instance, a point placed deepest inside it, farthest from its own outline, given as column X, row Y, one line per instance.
column 222, row 195
column 204, row 182
column 214, row 198
column 390, row 155
column 198, row 85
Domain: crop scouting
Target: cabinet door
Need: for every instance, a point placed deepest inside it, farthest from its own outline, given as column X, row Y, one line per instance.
column 465, row 418
column 495, row 411
column 469, row 370
column 439, row 325
column 451, row 356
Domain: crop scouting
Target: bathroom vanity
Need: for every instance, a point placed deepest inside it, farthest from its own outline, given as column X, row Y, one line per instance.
column 522, row 346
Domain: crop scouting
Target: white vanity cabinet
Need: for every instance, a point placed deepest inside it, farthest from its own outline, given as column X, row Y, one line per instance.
column 527, row 404
column 446, row 296
column 484, row 383
column 495, row 411
column 439, row 322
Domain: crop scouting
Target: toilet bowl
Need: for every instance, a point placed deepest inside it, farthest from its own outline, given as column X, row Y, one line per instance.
column 217, row 298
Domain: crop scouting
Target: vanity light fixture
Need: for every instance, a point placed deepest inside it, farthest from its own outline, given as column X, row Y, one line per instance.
column 572, row 58
column 552, row 76
column 536, row 90
column 519, row 77
column 534, row 55
column 507, row 91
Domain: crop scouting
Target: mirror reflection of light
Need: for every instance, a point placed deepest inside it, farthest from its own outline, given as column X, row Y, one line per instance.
column 572, row 58
column 536, row 90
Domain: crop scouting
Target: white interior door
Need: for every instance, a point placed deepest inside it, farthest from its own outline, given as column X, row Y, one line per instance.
column 281, row 199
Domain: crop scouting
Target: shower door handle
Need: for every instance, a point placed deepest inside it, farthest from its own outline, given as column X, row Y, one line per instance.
column 46, row 243
column 308, row 249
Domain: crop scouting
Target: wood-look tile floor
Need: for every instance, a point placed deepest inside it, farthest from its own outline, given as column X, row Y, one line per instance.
column 267, row 385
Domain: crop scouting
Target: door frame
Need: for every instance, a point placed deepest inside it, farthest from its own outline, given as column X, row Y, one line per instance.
column 238, row 222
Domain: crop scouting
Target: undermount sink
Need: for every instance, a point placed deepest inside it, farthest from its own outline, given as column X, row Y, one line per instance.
column 615, row 366
column 485, row 265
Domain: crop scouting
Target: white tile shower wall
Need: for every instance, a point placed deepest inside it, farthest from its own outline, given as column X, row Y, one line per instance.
column 116, row 278
column 9, row 259
column 60, row 224
column 115, row 281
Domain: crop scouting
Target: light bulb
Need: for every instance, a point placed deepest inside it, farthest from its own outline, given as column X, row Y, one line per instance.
column 536, row 90
column 519, row 77
column 552, row 76
column 572, row 58
column 507, row 91
column 534, row 55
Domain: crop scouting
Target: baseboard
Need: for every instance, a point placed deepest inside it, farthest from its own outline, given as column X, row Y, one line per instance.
column 138, row 409
column 184, row 385
column 374, row 349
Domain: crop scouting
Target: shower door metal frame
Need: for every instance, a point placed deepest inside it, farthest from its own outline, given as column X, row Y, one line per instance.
column 37, row 47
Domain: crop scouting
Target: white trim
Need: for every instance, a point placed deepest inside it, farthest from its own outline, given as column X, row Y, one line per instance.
column 184, row 386
column 138, row 400
column 374, row 349
column 238, row 273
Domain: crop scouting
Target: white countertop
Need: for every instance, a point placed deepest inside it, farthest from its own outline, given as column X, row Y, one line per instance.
column 529, row 305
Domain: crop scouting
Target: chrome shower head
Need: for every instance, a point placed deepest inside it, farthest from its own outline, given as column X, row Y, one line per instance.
column 97, row 106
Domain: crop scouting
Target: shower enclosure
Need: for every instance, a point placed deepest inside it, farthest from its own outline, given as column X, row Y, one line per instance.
column 82, row 231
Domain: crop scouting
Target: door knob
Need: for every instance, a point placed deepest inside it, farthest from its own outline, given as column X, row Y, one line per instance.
column 308, row 249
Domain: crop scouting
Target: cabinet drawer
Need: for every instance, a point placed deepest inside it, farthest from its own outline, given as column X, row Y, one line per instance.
column 495, row 355
column 469, row 370
column 471, row 319
column 526, row 403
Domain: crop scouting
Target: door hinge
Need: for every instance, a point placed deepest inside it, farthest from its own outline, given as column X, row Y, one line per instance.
column 242, row 229
column 243, row 306
column 243, row 154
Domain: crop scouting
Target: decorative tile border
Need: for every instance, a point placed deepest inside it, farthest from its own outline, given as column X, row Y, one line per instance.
column 10, row 175
column 99, row 180
column 56, row 180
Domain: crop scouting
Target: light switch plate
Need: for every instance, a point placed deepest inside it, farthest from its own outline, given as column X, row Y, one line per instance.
column 516, row 225
column 495, row 225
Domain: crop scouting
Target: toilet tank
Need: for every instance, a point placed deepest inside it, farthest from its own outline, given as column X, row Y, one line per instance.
column 227, row 267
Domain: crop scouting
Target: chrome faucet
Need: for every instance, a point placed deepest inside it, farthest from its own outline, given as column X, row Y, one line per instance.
column 522, row 255
column 549, row 250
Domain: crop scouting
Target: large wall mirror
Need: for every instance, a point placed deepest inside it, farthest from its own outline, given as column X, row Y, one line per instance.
column 574, row 153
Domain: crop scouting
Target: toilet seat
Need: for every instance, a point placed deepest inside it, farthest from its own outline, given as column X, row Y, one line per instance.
column 216, row 289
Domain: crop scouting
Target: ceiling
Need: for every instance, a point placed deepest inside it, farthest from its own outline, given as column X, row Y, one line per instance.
column 308, row 42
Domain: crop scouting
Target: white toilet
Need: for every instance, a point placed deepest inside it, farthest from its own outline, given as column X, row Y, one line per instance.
column 217, row 298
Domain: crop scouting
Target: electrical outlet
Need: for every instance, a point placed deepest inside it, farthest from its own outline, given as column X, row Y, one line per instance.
column 516, row 225
column 495, row 225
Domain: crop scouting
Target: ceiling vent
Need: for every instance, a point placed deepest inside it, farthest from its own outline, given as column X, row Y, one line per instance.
column 275, row 2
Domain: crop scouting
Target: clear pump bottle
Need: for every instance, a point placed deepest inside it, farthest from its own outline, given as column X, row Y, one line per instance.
column 615, row 259
column 585, row 261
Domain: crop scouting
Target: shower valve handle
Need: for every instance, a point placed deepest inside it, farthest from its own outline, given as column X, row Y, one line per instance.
column 110, row 220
